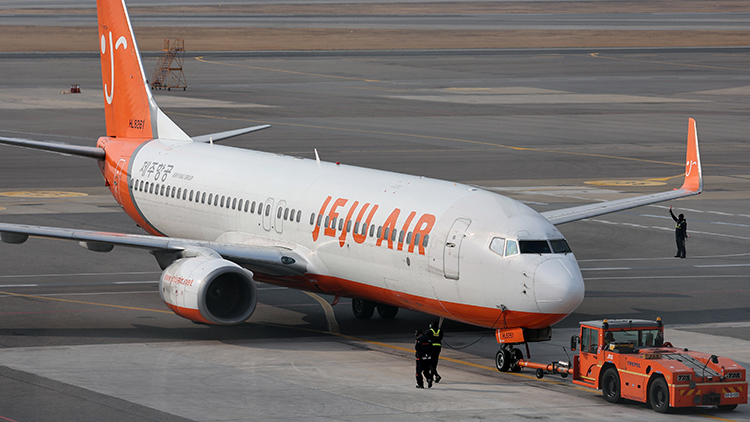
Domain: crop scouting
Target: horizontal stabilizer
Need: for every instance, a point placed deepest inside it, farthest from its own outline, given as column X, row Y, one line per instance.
column 91, row 152
column 214, row 137
column 692, row 185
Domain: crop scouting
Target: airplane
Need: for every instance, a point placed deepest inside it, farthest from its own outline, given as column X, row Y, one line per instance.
column 221, row 219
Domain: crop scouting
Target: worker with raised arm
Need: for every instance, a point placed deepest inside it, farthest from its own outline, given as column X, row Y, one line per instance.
column 680, row 233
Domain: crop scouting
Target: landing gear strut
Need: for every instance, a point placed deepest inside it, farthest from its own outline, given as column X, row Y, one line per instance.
column 364, row 309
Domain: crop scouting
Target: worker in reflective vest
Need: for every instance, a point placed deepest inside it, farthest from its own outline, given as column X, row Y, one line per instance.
column 435, row 334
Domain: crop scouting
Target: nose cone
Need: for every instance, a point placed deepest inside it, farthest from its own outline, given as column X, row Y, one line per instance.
column 558, row 285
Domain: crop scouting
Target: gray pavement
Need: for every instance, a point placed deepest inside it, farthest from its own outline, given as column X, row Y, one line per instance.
column 552, row 129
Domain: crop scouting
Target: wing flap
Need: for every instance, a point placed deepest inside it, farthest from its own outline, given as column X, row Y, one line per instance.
column 692, row 185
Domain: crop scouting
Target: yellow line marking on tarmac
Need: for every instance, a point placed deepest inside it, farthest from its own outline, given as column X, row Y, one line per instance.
column 716, row 418
column 132, row 308
column 201, row 59
column 596, row 55
column 43, row 194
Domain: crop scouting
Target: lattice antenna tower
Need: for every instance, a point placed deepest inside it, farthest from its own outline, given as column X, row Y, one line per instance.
column 168, row 73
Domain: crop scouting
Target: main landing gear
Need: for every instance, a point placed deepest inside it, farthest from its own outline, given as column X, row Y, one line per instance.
column 364, row 309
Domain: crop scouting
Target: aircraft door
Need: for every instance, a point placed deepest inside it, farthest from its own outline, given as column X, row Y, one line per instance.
column 268, row 214
column 279, row 216
column 117, row 180
column 452, row 248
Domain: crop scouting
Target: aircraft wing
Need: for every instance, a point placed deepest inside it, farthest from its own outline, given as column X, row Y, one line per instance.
column 692, row 185
column 275, row 260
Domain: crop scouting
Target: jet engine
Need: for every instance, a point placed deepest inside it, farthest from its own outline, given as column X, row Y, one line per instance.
column 209, row 290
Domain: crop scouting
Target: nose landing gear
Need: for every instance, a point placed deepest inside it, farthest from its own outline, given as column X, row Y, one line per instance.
column 507, row 358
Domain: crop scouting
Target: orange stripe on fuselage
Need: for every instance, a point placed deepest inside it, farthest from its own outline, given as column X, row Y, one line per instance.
column 469, row 314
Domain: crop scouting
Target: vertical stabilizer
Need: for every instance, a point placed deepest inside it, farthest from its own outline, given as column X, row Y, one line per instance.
column 129, row 108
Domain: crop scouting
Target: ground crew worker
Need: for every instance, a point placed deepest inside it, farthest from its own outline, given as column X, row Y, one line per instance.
column 680, row 233
column 435, row 334
column 422, row 352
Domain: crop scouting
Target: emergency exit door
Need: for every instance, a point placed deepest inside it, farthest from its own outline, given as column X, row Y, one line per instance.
column 452, row 248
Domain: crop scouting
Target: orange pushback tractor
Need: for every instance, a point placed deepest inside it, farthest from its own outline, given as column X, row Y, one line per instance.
column 629, row 359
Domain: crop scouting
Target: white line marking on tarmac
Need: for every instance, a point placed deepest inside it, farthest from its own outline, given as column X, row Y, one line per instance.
column 664, row 277
column 79, row 274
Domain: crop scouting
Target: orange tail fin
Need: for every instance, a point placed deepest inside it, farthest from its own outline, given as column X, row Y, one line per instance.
column 129, row 108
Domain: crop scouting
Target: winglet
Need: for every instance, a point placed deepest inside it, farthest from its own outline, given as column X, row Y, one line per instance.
column 693, row 171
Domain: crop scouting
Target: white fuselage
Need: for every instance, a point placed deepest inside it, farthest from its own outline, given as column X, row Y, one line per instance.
column 403, row 240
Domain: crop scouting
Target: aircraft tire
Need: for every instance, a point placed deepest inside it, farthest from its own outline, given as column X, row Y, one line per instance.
column 502, row 360
column 363, row 308
column 387, row 311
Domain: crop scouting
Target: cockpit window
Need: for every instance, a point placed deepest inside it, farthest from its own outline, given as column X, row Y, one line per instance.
column 560, row 246
column 498, row 245
column 511, row 247
column 534, row 246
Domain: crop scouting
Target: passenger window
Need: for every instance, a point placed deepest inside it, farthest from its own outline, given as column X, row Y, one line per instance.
column 247, row 204
column 268, row 210
column 341, row 224
column 408, row 239
column 401, row 237
column 161, row 192
column 203, row 198
column 184, row 195
column 416, row 238
column 191, row 195
column 252, row 207
column 216, row 200
column 511, row 247
column 393, row 235
column 210, row 198
column 141, row 187
column 356, row 227
column 349, row 226
column 498, row 245
column 328, row 221
column 380, row 231
column 260, row 208
column 222, row 201
column 320, row 219
column 286, row 213
column 372, row 230
column 425, row 240
column 278, row 213
column 312, row 219
column 299, row 215
column 386, row 234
